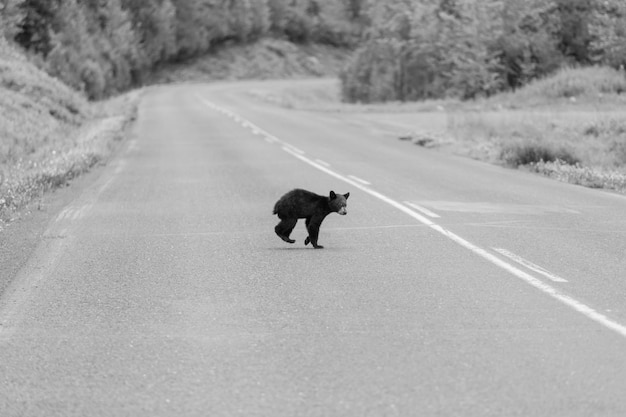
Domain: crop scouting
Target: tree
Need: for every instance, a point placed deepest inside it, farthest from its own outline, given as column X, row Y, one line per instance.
column 354, row 9
column 35, row 29
column 192, row 35
column 117, row 43
column 154, row 25
column 608, row 33
column 248, row 19
column 528, row 46
column 72, row 52
column 11, row 17
column 574, row 36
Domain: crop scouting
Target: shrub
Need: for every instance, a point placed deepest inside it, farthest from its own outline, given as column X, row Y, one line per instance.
column 576, row 82
column 93, row 80
column 531, row 153
column 580, row 175
column 372, row 74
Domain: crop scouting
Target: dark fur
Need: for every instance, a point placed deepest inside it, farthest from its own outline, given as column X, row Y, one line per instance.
column 303, row 204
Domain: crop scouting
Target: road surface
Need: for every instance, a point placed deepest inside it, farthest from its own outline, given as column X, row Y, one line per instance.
column 451, row 288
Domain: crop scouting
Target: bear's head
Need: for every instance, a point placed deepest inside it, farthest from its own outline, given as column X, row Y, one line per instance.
column 338, row 203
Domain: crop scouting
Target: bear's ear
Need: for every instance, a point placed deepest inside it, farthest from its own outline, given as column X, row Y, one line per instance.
column 346, row 195
column 333, row 195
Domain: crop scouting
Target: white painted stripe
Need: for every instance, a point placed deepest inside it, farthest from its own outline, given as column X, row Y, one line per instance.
column 63, row 214
column 422, row 210
column 545, row 288
column 319, row 161
column 244, row 122
column 362, row 181
column 78, row 213
column 530, row 265
column 107, row 183
column 292, row 149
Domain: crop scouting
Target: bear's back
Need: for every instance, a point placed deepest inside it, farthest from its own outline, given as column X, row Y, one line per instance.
column 298, row 203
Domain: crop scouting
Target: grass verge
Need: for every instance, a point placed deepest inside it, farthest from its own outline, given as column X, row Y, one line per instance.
column 581, row 175
column 50, row 133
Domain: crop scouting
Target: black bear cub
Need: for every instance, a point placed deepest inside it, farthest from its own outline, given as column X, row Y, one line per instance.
column 303, row 204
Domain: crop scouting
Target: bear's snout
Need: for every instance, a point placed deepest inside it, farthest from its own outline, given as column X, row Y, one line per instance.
column 343, row 211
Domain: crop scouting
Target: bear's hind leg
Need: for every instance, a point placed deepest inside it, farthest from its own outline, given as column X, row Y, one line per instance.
column 284, row 228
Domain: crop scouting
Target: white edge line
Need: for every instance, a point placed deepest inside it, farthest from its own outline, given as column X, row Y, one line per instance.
column 422, row 210
column 545, row 288
column 362, row 181
column 530, row 265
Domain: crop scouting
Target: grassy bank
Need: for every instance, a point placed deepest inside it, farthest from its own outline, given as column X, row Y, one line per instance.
column 50, row 133
column 568, row 126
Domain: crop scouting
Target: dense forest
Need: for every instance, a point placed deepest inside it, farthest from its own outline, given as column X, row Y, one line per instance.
column 468, row 48
column 105, row 46
column 401, row 49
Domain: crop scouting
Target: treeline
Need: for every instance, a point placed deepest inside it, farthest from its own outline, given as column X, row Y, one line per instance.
column 105, row 46
column 405, row 49
column 420, row 49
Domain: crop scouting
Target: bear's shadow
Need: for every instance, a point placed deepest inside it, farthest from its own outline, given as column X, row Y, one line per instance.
column 301, row 248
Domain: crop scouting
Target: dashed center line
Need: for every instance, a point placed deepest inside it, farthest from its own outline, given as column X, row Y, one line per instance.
column 357, row 179
column 422, row 210
column 565, row 299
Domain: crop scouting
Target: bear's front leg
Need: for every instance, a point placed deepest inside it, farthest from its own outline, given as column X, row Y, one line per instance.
column 316, row 246
column 313, row 227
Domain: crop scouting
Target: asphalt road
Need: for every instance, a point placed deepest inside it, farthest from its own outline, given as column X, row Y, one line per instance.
column 451, row 288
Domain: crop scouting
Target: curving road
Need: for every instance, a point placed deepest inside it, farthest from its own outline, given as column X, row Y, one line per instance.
column 451, row 288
